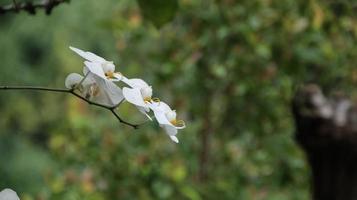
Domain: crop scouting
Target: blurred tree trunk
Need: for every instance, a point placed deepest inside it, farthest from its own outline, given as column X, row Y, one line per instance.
column 326, row 128
column 205, row 93
column 205, row 134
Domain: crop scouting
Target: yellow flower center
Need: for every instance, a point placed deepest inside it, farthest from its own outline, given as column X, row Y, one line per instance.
column 177, row 123
column 109, row 75
column 149, row 99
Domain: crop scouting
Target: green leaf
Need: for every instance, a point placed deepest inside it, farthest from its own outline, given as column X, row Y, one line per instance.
column 159, row 12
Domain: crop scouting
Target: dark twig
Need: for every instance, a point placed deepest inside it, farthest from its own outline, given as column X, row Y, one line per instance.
column 71, row 91
column 34, row 88
column 135, row 126
column 31, row 7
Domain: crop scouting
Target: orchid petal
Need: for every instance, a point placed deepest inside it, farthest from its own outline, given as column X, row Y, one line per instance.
column 135, row 82
column 114, row 92
column 88, row 55
column 88, row 81
column 174, row 138
column 85, row 70
column 108, row 66
column 95, row 68
column 170, row 130
column 102, row 98
column 96, row 93
column 162, row 106
column 161, row 118
column 134, row 96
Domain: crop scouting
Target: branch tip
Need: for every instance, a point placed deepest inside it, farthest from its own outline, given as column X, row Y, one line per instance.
column 72, row 91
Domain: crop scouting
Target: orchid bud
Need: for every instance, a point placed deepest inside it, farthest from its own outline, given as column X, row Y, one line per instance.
column 8, row 194
column 72, row 80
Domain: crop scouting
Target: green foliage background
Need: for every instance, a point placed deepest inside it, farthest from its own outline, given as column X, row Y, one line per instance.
column 230, row 69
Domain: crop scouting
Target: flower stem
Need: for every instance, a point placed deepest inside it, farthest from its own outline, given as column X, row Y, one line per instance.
column 71, row 91
column 34, row 88
column 135, row 126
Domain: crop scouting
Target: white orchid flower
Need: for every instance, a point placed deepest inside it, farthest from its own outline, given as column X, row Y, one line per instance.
column 166, row 117
column 95, row 89
column 140, row 94
column 8, row 194
column 107, row 67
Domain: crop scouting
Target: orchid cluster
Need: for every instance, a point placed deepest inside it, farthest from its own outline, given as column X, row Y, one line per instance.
column 8, row 194
column 99, row 84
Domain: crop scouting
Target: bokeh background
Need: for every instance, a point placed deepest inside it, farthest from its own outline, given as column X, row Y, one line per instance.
column 229, row 68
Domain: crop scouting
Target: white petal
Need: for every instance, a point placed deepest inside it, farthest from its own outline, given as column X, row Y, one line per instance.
column 108, row 67
column 8, row 194
column 170, row 130
column 114, row 92
column 100, row 94
column 175, row 139
column 134, row 96
column 102, row 98
column 85, row 70
column 171, row 115
column 161, row 111
column 160, row 107
column 72, row 79
column 161, row 118
column 146, row 92
column 135, row 82
column 88, row 55
column 95, row 68
column 88, row 81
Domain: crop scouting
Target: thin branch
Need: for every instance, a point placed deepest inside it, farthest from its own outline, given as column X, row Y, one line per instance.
column 31, row 7
column 135, row 126
column 34, row 88
column 71, row 91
